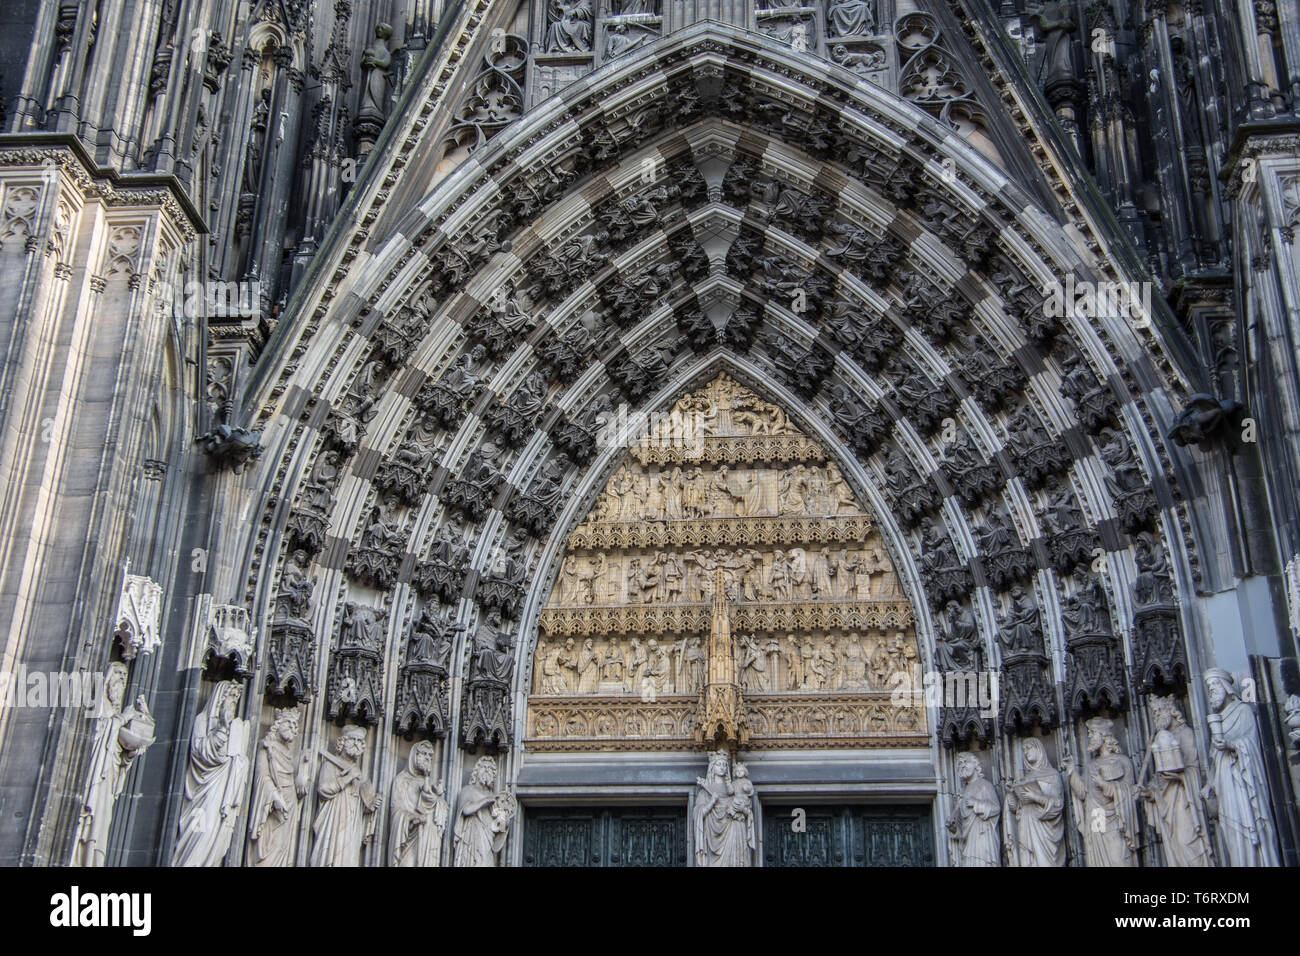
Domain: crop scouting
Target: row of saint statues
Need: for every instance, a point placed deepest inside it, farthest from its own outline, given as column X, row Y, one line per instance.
column 692, row 494
column 766, row 664
column 1026, row 826
column 752, row 575
column 347, row 803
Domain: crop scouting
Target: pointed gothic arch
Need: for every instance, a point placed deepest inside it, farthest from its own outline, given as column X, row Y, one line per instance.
column 806, row 225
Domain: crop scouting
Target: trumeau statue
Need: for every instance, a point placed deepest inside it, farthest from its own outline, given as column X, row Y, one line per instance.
column 418, row 811
column 214, row 781
column 1173, row 792
column 483, row 817
column 345, row 820
column 973, row 826
column 1105, row 810
column 279, row 784
column 1035, row 815
column 723, row 819
column 120, row 737
column 1238, row 785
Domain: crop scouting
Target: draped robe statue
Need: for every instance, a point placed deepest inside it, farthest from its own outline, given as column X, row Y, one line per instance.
column 214, row 780
column 1103, row 798
column 375, row 63
column 116, row 747
column 1173, row 792
column 419, row 812
column 348, row 803
column 974, row 823
column 278, row 788
column 1035, row 818
column 723, row 819
column 483, row 817
column 1237, row 776
column 848, row 18
column 570, row 30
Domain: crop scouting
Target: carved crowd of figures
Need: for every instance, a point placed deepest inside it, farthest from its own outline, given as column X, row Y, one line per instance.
column 793, row 574
column 691, row 493
column 1103, row 795
column 766, row 664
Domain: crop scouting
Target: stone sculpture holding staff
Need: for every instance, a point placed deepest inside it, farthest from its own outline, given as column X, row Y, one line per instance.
column 214, row 781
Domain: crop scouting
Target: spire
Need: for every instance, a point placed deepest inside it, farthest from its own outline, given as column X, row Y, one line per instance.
column 721, row 721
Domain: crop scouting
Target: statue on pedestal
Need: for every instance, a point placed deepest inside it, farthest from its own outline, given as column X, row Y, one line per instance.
column 419, row 812
column 1173, row 793
column 1035, row 818
column 279, row 784
column 483, row 817
column 120, row 737
column 723, row 819
column 1102, row 793
column 974, row 823
column 214, row 782
column 348, row 804
column 1238, row 785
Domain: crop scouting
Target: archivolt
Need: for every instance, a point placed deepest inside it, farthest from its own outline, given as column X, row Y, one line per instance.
column 864, row 282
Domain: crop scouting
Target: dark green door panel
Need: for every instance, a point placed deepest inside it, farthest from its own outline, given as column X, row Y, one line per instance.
column 605, row 836
column 854, row 835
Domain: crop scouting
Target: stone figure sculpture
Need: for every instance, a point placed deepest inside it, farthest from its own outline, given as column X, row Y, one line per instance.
column 1173, row 792
column 375, row 63
column 121, row 736
column 974, row 822
column 1102, row 794
column 957, row 647
column 214, row 780
column 1238, row 785
column 483, row 817
column 348, row 803
column 418, row 814
column 279, row 784
column 1057, row 21
column 570, row 29
column 1035, row 817
column 724, row 815
column 851, row 18
column 486, row 711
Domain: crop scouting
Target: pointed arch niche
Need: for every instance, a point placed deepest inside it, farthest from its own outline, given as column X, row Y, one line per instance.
column 822, row 632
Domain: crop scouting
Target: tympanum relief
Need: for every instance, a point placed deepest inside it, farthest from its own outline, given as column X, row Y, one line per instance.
column 724, row 489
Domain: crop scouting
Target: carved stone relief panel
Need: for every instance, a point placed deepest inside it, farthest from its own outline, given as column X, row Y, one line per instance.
column 723, row 487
